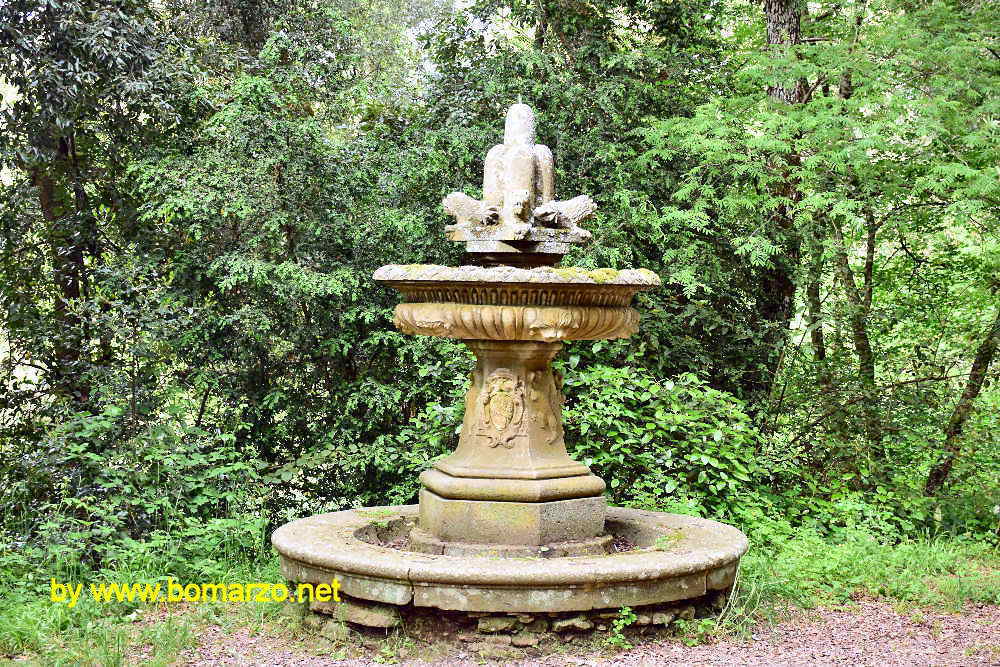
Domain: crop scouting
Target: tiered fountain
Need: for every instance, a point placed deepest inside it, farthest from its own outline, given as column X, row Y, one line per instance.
column 509, row 523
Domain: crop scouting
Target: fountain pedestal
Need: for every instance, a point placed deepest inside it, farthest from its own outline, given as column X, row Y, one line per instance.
column 510, row 483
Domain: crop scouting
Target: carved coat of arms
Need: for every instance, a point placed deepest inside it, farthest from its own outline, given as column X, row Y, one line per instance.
column 501, row 408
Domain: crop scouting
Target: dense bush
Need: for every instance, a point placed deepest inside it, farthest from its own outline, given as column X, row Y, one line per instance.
column 662, row 442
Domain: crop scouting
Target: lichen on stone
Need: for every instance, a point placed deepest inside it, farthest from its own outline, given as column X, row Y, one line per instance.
column 510, row 274
column 603, row 275
column 568, row 273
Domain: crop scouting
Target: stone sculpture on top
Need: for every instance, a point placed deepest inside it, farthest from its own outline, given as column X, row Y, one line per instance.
column 518, row 212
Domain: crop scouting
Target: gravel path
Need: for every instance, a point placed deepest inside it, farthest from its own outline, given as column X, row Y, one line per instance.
column 870, row 633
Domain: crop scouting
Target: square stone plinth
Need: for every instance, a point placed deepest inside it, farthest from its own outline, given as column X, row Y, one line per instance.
column 490, row 522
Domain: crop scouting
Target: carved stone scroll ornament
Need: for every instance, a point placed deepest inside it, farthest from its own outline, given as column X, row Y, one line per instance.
column 501, row 408
column 547, row 401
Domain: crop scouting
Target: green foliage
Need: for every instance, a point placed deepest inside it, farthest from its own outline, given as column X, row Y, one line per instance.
column 673, row 443
column 616, row 635
column 218, row 551
column 195, row 200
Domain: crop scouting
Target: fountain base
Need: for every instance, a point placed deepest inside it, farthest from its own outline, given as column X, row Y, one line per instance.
column 675, row 558
column 511, row 523
column 423, row 542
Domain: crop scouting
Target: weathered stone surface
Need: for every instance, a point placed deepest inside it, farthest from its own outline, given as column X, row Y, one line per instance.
column 507, row 489
column 545, row 247
column 328, row 608
column 496, row 624
column 514, row 403
column 545, row 324
column 555, row 295
column 538, row 625
column 512, row 430
column 493, row 276
column 525, row 639
column 361, row 612
column 492, row 651
column 484, row 522
column 574, row 623
column 663, row 618
column 423, row 542
column 317, row 548
column 518, row 192
column 389, row 589
column 722, row 578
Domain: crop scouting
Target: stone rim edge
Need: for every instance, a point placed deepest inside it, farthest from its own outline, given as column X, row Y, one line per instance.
column 359, row 560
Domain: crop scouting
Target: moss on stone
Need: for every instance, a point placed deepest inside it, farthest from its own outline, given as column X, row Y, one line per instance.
column 570, row 273
column 603, row 275
column 649, row 275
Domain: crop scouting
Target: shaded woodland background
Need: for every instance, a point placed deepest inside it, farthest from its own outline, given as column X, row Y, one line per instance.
column 195, row 195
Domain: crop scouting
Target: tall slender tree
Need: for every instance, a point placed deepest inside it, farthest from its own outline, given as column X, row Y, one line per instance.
column 92, row 80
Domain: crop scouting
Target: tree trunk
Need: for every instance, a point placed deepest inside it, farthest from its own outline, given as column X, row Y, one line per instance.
column 67, row 256
column 541, row 25
column 860, row 308
column 784, row 19
column 960, row 415
column 776, row 286
column 814, row 305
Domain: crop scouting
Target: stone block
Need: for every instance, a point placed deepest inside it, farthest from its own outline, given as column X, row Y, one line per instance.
column 574, row 623
column 360, row 612
column 663, row 618
column 513, row 523
column 537, row 625
column 496, row 624
column 524, row 639
column 511, row 490
column 722, row 578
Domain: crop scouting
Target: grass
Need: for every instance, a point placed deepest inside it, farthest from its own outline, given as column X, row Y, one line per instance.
column 789, row 573
column 115, row 633
column 806, row 571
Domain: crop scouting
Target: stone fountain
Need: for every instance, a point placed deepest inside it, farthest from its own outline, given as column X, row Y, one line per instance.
column 509, row 523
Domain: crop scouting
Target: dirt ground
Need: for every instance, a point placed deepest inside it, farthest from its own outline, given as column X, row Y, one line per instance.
column 872, row 632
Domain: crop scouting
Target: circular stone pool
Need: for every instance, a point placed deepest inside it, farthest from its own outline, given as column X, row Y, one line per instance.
column 676, row 557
